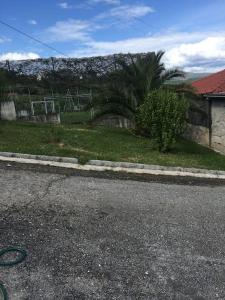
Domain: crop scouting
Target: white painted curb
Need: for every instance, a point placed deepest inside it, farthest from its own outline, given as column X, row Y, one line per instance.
column 96, row 165
column 40, row 157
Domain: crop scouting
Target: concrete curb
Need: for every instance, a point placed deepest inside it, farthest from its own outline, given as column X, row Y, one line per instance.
column 99, row 165
column 144, row 167
column 40, row 157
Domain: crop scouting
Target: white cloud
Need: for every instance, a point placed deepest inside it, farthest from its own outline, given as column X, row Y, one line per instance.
column 18, row 56
column 70, row 30
column 148, row 43
column 199, row 55
column 111, row 2
column 64, row 5
column 192, row 51
column 131, row 11
column 4, row 39
column 127, row 12
column 32, row 22
column 198, row 52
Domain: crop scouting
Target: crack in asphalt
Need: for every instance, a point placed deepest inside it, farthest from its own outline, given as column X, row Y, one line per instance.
column 37, row 197
column 116, row 241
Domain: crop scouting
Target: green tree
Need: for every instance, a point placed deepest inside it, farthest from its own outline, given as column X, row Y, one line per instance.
column 163, row 116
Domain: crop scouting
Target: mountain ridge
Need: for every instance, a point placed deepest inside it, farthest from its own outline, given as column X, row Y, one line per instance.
column 97, row 64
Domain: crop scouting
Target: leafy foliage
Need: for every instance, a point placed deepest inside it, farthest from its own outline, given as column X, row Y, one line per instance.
column 132, row 80
column 162, row 116
column 144, row 74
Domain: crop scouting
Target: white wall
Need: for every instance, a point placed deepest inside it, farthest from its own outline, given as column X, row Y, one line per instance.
column 218, row 125
column 8, row 111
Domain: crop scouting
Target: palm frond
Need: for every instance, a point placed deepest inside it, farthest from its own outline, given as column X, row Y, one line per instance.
column 115, row 108
column 172, row 73
column 135, row 78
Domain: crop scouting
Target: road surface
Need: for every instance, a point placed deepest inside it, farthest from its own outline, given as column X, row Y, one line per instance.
column 102, row 238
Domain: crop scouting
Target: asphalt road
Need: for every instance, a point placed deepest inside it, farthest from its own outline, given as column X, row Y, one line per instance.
column 102, row 238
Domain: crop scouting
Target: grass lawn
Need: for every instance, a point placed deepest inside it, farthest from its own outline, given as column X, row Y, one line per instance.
column 75, row 117
column 103, row 143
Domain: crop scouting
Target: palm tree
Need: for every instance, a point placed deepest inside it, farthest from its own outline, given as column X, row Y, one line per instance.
column 145, row 74
column 134, row 79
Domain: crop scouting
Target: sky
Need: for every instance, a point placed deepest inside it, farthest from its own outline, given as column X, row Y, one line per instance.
column 191, row 32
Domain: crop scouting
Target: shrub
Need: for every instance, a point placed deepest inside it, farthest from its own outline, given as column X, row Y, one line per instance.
column 162, row 117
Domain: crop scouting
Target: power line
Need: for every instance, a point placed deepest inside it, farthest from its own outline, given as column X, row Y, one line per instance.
column 53, row 48
column 32, row 38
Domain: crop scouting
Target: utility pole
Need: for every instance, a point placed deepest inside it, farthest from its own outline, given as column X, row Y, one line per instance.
column 53, row 73
column 53, row 64
column 7, row 63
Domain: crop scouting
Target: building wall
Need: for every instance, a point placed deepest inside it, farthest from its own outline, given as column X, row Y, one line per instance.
column 198, row 134
column 198, row 112
column 50, row 118
column 218, row 125
column 201, row 134
column 114, row 120
column 8, row 111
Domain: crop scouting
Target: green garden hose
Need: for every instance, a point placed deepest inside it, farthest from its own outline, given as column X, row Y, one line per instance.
column 3, row 292
column 9, row 263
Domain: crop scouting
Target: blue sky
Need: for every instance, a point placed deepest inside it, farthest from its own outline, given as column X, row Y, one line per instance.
column 192, row 32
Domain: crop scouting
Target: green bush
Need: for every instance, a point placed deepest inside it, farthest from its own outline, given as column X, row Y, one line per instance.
column 162, row 117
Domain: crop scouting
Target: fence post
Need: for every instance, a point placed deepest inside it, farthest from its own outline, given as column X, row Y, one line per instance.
column 46, row 109
column 53, row 106
column 32, row 108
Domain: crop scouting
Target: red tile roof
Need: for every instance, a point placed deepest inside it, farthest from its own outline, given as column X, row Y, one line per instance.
column 212, row 84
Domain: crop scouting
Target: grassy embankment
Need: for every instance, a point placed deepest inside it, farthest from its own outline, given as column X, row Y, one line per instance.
column 86, row 143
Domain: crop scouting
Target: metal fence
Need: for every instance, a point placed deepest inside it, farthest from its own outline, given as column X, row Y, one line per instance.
column 73, row 104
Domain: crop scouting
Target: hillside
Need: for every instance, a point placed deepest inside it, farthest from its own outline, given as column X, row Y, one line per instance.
column 189, row 78
column 80, row 66
column 98, row 65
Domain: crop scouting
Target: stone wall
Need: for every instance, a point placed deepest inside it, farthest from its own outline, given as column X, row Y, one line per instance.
column 198, row 134
column 114, row 120
column 198, row 112
column 201, row 134
column 8, row 111
column 218, row 125
column 50, row 118
column 23, row 115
